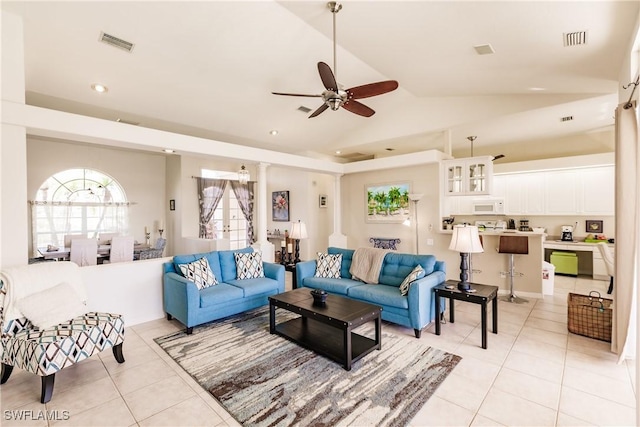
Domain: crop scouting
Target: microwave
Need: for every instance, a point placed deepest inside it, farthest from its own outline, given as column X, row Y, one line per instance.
column 488, row 207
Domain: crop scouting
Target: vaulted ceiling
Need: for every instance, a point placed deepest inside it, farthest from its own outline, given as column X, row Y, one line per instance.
column 208, row 69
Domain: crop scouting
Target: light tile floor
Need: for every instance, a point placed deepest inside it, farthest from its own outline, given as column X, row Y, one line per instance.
column 533, row 373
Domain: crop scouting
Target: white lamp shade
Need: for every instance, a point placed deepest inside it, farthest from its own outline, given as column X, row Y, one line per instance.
column 465, row 239
column 298, row 230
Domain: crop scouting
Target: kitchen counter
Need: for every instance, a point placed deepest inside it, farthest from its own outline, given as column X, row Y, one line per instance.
column 501, row 233
column 590, row 261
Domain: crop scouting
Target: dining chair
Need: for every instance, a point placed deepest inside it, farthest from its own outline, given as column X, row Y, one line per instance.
column 84, row 252
column 609, row 262
column 69, row 237
column 105, row 238
column 121, row 249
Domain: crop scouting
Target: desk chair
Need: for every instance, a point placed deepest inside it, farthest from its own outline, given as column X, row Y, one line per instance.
column 84, row 252
column 513, row 245
column 609, row 262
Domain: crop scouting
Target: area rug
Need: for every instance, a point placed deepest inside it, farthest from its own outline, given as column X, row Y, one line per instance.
column 265, row 380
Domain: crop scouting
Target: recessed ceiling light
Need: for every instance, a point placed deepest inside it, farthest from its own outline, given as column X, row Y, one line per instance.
column 537, row 89
column 273, row 132
column 169, row 150
column 338, row 151
column 99, row 88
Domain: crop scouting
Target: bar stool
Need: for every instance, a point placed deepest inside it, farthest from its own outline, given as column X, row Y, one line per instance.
column 513, row 245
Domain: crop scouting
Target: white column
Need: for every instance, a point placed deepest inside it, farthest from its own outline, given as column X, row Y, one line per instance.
column 447, row 142
column 264, row 200
column 14, row 214
column 337, row 239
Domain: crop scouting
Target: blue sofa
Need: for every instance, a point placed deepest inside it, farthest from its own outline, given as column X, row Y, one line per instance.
column 415, row 310
column 191, row 306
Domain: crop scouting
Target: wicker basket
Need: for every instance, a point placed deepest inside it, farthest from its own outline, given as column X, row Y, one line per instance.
column 590, row 315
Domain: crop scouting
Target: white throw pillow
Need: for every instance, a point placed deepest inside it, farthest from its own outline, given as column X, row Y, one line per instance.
column 52, row 306
column 328, row 266
column 248, row 265
column 199, row 272
column 415, row 274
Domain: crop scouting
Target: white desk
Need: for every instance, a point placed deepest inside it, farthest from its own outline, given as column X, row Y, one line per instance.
column 599, row 270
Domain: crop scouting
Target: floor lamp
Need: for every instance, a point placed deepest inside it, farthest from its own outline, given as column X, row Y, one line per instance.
column 415, row 198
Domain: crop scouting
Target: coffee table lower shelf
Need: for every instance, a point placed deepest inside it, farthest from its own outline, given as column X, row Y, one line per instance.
column 326, row 340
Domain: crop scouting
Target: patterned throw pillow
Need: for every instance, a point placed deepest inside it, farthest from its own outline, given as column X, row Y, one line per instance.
column 415, row 274
column 249, row 265
column 199, row 272
column 328, row 266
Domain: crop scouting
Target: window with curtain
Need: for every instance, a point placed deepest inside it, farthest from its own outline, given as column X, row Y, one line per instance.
column 78, row 201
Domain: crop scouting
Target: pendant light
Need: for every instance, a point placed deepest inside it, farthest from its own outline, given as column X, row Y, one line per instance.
column 243, row 175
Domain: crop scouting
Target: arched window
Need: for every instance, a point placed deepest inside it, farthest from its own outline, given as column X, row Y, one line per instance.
column 78, row 201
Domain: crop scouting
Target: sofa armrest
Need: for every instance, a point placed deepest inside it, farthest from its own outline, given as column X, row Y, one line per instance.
column 276, row 272
column 305, row 269
column 181, row 298
column 421, row 299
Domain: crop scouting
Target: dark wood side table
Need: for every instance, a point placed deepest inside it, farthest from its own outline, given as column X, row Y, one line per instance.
column 483, row 294
column 294, row 279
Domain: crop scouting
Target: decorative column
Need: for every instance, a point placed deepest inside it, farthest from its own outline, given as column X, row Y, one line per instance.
column 337, row 239
column 263, row 245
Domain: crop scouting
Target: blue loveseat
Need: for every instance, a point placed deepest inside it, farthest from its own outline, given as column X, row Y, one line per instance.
column 415, row 310
column 191, row 306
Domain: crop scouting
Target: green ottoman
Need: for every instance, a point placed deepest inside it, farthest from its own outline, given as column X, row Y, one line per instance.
column 565, row 262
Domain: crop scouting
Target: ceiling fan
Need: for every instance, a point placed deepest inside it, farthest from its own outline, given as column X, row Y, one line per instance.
column 334, row 96
column 493, row 159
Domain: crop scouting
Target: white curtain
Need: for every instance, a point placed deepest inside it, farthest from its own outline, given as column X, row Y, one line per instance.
column 627, row 260
column 50, row 221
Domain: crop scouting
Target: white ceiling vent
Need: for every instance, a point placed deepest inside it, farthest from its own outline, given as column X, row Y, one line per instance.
column 116, row 42
column 304, row 109
column 566, row 118
column 484, row 49
column 576, row 38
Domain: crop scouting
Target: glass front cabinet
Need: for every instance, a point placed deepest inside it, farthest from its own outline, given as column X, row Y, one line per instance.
column 468, row 176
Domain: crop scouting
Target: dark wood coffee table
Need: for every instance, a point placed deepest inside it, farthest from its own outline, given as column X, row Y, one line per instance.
column 328, row 329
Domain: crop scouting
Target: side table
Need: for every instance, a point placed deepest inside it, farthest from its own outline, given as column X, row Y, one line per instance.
column 292, row 268
column 482, row 295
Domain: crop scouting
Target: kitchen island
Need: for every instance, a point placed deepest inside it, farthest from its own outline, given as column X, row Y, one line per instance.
column 492, row 268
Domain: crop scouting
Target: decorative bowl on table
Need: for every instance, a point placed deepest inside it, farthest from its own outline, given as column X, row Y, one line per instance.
column 319, row 296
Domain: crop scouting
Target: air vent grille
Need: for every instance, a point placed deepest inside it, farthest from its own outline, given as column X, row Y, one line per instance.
column 304, row 109
column 566, row 118
column 575, row 39
column 116, row 42
column 484, row 49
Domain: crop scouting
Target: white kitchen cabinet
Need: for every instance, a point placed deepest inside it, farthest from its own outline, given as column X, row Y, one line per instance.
column 523, row 192
column 596, row 191
column 468, row 177
column 561, row 192
column 462, row 205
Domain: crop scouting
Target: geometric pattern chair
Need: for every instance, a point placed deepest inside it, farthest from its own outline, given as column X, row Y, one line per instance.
column 156, row 251
column 46, row 351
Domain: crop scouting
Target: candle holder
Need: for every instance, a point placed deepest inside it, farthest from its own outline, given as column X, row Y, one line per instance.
column 283, row 256
column 160, row 231
column 147, row 237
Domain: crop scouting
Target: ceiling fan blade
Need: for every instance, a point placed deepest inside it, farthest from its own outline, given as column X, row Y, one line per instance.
column 328, row 79
column 358, row 108
column 296, row 94
column 372, row 89
column 319, row 110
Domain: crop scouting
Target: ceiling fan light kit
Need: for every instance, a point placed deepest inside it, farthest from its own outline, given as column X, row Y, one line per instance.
column 333, row 96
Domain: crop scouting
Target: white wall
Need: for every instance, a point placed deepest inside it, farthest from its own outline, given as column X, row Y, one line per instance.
column 141, row 174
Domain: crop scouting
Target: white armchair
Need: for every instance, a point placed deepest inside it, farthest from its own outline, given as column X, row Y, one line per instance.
column 609, row 262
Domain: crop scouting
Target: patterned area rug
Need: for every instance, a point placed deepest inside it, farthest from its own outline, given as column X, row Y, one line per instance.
column 265, row 380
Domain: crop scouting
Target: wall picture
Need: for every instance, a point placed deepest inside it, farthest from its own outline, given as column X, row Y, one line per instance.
column 593, row 226
column 280, row 205
column 387, row 202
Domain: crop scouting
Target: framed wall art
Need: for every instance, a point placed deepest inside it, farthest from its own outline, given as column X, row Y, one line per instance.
column 387, row 203
column 593, row 226
column 280, row 205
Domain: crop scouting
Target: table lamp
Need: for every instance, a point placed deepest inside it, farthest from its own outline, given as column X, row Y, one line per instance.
column 465, row 239
column 298, row 231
